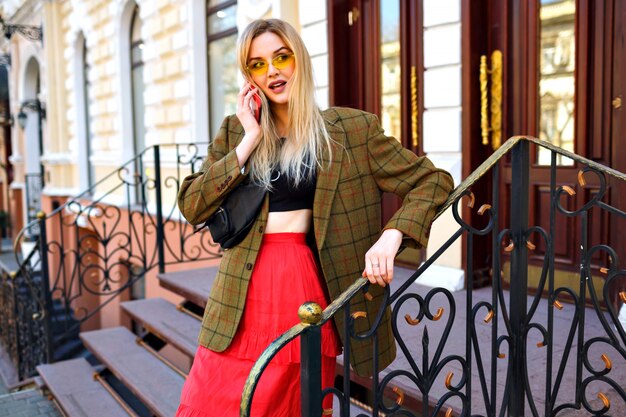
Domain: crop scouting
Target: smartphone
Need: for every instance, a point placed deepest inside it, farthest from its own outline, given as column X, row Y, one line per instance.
column 255, row 106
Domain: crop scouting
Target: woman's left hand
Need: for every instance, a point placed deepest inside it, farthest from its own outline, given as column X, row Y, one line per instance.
column 380, row 258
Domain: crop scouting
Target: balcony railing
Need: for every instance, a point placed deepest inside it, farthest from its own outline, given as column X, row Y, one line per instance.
column 95, row 247
column 502, row 340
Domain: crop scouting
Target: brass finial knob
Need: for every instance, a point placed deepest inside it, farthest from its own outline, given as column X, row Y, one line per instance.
column 310, row 312
column 41, row 215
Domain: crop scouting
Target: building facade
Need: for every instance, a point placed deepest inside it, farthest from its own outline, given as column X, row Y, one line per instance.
column 114, row 77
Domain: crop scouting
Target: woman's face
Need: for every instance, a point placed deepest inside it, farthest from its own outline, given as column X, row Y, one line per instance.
column 271, row 65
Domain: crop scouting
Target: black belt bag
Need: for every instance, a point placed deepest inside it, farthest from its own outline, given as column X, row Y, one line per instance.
column 230, row 224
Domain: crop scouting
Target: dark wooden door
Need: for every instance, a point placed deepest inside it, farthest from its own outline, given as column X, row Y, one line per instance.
column 560, row 75
column 618, row 134
column 376, row 65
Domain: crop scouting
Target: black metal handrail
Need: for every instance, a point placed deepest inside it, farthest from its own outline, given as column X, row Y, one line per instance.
column 511, row 320
column 101, row 243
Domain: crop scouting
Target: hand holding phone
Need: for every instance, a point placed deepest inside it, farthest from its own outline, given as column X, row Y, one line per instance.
column 255, row 106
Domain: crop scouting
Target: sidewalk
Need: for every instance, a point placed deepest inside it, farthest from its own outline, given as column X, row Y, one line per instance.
column 27, row 403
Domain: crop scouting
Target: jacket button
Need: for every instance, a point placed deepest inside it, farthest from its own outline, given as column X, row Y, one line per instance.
column 260, row 229
column 248, row 266
column 219, row 188
column 230, row 177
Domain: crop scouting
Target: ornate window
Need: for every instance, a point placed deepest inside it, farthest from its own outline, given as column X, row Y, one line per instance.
column 138, row 86
column 88, row 134
column 221, row 41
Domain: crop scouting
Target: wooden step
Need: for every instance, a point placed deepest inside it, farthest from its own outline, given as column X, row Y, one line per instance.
column 156, row 384
column 161, row 318
column 73, row 385
column 193, row 284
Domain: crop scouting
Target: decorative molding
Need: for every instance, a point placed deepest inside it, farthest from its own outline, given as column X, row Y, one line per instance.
column 26, row 11
column 16, row 159
column 107, row 159
column 56, row 159
column 60, row 191
column 79, row 19
column 30, row 32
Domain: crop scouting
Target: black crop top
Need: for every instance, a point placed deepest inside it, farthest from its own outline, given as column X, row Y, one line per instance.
column 285, row 196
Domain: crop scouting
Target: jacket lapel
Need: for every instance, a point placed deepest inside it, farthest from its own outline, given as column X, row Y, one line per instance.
column 328, row 178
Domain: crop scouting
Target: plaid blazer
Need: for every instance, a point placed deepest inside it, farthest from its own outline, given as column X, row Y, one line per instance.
column 346, row 220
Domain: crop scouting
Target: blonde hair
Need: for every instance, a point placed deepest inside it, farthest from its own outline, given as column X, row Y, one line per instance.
column 307, row 134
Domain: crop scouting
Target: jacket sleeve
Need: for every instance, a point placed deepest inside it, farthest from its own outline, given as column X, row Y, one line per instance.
column 202, row 192
column 415, row 179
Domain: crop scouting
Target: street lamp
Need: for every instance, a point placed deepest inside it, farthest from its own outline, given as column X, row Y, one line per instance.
column 30, row 105
column 33, row 33
column 21, row 119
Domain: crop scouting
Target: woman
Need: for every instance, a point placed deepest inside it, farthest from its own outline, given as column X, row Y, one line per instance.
column 324, row 172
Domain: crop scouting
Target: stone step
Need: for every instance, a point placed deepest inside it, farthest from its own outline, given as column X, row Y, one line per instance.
column 193, row 284
column 161, row 318
column 73, row 385
column 156, row 384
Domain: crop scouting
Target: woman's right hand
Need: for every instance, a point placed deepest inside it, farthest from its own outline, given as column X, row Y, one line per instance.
column 252, row 128
column 244, row 112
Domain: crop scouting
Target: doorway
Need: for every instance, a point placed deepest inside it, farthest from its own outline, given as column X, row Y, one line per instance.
column 561, row 83
column 376, row 65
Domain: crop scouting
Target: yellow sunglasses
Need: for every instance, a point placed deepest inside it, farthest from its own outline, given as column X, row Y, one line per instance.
column 260, row 66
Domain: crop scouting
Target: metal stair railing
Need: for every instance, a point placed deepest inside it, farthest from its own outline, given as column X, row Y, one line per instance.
column 510, row 321
column 97, row 246
column 22, row 331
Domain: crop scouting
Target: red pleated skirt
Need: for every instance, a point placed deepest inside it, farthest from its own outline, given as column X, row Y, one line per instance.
column 285, row 276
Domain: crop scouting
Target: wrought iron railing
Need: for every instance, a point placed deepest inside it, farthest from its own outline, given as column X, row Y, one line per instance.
column 23, row 333
column 503, row 340
column 95, row 247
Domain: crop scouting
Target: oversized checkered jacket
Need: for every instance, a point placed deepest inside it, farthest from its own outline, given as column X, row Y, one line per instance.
column 346, row 219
